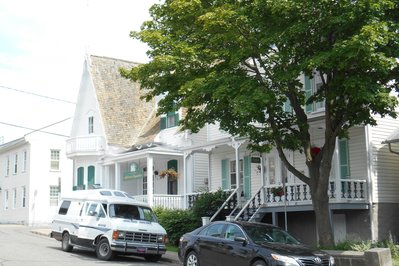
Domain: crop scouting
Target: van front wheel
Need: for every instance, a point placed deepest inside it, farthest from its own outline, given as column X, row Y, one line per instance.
column 103, row 250
column 66, row 243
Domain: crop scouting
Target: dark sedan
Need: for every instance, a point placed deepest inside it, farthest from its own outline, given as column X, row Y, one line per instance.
column 246, row 243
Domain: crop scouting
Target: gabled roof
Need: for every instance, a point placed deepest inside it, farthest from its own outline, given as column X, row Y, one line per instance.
column 127, row 119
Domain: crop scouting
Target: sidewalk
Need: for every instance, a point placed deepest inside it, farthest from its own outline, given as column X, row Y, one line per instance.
column 168, row 256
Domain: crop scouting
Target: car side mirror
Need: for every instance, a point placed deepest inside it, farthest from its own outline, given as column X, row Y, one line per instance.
column 241, row 239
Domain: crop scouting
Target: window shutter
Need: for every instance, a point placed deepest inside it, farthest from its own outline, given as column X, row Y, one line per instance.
column 176, row 118
column 90, row 175
column 344, row 158
column 163, row 122
column 308, row 94
column 225, row 173
column 247, row 177
column 80, row 181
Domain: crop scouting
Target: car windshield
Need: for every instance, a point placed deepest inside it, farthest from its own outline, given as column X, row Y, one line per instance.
column 264, row 233
column 132, row 212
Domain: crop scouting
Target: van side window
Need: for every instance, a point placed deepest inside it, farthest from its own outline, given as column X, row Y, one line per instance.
column 64, row 207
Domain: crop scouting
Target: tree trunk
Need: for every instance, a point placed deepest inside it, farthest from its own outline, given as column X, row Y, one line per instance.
column 323, row 220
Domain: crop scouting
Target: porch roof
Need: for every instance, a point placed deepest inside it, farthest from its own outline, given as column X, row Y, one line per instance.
column 142, row 151
column 393, row 138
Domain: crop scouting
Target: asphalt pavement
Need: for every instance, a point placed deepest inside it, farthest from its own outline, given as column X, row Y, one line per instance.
column 168, row 256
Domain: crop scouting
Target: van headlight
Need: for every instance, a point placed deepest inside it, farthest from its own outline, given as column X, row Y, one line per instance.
column 162, row 239
column 332, row 261
column 118, row 235
column 287, row 260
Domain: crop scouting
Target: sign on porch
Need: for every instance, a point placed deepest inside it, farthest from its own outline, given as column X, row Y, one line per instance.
column 135, row 172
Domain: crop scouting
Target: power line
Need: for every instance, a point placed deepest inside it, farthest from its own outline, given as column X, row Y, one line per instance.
column 36, row 94
column 40, row 129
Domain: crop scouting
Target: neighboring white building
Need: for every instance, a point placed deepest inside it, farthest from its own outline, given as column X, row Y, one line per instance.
column 33, row 170
column 118, row 142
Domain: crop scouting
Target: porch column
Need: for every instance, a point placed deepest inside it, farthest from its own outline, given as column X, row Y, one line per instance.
column 337, row 171
column 150, row 180
column 117, row 176
column 236, row 145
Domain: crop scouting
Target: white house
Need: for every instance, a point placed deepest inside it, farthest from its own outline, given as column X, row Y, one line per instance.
column 33, row 170
column 117, row 141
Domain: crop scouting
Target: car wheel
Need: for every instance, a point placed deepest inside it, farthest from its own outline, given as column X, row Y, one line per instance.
column 259, row 263
column 66, row 243
column 192, row 259
column 103, row 250
column 152, row 258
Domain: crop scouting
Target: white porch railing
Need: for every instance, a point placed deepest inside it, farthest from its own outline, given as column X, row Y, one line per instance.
column 168, row 201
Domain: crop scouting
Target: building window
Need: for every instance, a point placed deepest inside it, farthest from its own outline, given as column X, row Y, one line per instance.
column 14, row 198
column 344, row 158
column 170, row 120
column 6, row 200
column 233, row 173
column 55, row 160
column 312, row 86
column 23, row 196
column 54, row 192
column 7, row 173
column 15, row 163
column 91, row 125
column 25, row 161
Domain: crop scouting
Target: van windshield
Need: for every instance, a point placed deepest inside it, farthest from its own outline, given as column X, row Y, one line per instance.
column 132, row 212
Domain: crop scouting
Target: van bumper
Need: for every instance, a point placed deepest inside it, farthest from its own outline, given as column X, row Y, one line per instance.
column 138, row 248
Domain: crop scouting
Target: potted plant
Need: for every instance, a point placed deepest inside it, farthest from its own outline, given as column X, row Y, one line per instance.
column 277, row 191
column 171, row 173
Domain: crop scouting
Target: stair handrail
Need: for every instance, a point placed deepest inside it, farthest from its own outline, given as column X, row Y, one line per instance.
column 248, row 203
column 224, row 204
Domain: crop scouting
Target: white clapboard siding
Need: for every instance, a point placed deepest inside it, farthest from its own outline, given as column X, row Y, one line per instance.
column 385, row 165
column 357, row 153
column 200, row 171
column 214, row 133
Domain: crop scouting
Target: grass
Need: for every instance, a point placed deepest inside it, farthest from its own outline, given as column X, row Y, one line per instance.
column 172, row 248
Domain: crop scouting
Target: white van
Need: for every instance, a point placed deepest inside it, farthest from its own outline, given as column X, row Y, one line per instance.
column 109, row 222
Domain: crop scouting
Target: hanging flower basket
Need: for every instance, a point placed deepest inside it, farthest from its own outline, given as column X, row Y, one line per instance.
column 277, row 191
column 169, row 173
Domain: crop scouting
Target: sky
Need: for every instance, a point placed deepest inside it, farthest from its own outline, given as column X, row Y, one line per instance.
column 42, row 48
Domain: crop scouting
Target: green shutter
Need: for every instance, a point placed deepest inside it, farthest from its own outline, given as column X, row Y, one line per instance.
column 163, row 122
column 176, row 118
column 247, row 177
column 80, row 176
column 90, row 175
column 343, row 158
column 308, row 94
column 172, row 164
column 225, row 173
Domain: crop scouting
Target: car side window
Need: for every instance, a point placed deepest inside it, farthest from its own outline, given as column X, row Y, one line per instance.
column 233, row 231
column 214, row 230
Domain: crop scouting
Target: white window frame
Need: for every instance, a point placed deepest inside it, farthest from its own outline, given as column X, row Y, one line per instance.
column 15, row 170
column 91, row 125
column 54, row 195
column 25, row 161
column 7, row 173
column 23, row 197
column 14, row 198
column 233, row 173
column 6, row 199
column 55, row 162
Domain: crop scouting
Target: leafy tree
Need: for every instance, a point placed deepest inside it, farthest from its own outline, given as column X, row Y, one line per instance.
column 238, row 63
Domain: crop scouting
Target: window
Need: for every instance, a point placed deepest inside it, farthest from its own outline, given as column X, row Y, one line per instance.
column 271, row 170
column 14, row 198
column 54, row 192
column 91, row 125
column 23, row 196
column 90, row 175
column 214, row 230
column 6, row 200
column 64, row 207
column 172, row 182
column 170, row 120
column 233, row 173
column 312, row 86
column 233, row 231
column 15, row 163
column 343, row 158
column 7, row 173
column 25, row 161
column 80, row 182
column 55, row 160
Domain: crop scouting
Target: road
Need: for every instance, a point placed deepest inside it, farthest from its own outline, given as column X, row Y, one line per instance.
column 19, row 246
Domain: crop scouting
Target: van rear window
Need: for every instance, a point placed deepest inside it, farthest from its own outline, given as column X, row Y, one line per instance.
column 64, row 207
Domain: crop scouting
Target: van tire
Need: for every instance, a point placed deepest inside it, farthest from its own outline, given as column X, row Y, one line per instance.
column 152, row 258
column 66, row 242
column 103, row 250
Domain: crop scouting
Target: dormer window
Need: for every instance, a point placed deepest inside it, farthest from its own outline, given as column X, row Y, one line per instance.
column 170, row 120
column 91, row 125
